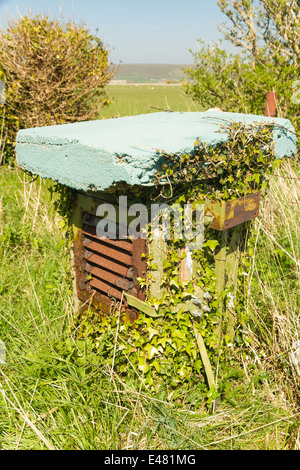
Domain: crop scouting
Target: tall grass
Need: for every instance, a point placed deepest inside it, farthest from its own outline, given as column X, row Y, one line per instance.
column 273, row 293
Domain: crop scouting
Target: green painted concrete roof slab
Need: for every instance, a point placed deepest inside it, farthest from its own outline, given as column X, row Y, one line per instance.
column 97, row 155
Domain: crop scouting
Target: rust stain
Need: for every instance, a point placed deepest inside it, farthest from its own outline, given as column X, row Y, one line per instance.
column 105, row 263
column 110, row 252
column 91, row 233
column 108, row 276
column 105, row 267
column 111, row 291
column 124, row 284
column 98, row 301
column 231, row 213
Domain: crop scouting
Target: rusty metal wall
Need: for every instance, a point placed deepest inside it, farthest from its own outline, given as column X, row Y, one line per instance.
column 104, row 268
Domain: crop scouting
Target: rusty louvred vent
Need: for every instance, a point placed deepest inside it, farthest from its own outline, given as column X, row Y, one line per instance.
column 108, row 267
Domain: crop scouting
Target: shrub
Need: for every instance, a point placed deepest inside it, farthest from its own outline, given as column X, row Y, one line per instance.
column 54, row 72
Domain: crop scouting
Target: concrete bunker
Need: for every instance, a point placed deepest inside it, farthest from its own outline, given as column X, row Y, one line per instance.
column 101, row 160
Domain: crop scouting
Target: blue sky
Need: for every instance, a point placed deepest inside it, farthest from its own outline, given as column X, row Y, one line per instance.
column 135, row 31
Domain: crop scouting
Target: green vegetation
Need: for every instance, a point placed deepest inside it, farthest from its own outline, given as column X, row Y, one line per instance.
column 65, row 384
column 130, row 100
column 266, row 35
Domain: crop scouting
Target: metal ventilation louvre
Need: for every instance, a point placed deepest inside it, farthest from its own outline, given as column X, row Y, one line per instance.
column 105, row 267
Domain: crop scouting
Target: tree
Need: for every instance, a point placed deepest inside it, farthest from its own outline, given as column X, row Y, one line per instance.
column 270, row 27
column 54, row 72
column 266, row 35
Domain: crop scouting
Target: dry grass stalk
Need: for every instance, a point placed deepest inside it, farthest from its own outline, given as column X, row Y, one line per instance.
column 274, row 287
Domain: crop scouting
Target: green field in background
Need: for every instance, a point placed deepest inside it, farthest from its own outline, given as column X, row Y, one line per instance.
column 130, row 100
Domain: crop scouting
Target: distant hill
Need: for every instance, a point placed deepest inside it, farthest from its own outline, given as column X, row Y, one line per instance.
column 149, row 73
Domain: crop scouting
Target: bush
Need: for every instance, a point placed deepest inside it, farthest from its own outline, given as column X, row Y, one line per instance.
column 228, row 81
column 54, row 73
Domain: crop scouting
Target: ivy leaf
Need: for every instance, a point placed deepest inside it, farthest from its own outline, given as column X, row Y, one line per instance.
column 151, row 350
column 212, row 244
column 163, row 340
column 143, row 366
column 167, row 264
column 152, row 332
column 228, row 340
column 156, row 364
column 257, row 178
column 181, row 199
column 173, row 283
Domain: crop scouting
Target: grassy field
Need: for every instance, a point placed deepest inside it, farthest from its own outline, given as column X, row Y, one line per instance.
column 57, row 393
column 138, row 73
column 129, row 100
